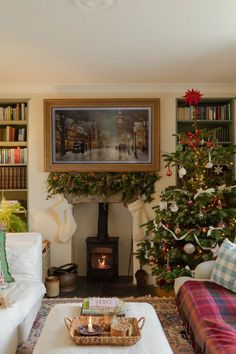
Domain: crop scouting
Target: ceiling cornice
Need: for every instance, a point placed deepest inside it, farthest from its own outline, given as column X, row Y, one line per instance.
column 147, row 88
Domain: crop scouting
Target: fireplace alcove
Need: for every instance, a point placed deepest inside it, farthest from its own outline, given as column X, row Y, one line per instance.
column 120, row 225
column 102, row 251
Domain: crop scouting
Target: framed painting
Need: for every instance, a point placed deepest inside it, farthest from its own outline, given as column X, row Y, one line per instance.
column 95, row 135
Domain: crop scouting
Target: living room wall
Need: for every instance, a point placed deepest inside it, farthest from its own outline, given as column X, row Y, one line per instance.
column 39, row 206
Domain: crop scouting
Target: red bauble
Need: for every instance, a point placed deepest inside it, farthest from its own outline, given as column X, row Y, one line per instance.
column 190, row 203
column 169, row 172
column 164, row 248
column 168, row 269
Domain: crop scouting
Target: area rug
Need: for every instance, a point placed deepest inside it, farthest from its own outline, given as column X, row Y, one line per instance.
column 165, row 309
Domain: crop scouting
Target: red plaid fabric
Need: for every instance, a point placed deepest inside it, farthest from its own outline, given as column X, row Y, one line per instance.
column 209, row 311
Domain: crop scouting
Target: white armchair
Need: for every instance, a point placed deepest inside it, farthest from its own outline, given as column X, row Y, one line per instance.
column 201, row 272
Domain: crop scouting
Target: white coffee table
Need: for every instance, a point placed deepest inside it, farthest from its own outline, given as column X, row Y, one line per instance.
column 54, row 338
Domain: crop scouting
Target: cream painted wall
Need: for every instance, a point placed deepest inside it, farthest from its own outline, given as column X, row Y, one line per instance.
column 120, row 220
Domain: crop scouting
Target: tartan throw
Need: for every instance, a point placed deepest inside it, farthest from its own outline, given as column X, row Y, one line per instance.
column 224, row 271
column 209, row 313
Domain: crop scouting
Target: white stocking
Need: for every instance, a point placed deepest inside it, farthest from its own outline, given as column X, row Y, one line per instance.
column 141, row 215
column 65, row 220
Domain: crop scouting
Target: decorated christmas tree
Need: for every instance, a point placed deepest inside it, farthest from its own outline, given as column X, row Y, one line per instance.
column 193, row 217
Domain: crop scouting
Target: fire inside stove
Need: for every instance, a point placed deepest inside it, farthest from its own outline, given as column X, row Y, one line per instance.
column 101, row 258
column 102, row 262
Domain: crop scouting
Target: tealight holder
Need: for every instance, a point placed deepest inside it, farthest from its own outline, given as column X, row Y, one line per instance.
column 85, row 331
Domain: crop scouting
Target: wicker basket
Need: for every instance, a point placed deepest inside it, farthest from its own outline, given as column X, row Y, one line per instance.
column 73, row 325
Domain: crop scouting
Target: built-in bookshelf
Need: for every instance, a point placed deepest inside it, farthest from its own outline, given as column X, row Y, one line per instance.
column 215, row 113
column 14, row 150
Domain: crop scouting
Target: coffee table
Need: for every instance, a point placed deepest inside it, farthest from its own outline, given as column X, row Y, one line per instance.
column 54, row 338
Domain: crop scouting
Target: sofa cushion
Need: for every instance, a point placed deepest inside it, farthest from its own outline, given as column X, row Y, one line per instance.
column 4, row 268
column 224, row 271
column 204, row 270
column 23, row 256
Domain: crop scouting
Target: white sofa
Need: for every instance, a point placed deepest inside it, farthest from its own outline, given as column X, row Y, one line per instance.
column 24, row 254
column 202, row 272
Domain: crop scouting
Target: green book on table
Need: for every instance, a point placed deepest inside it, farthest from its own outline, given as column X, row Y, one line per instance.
column 100, row 306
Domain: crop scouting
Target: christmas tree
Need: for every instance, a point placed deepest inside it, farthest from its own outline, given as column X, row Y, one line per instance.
column 193, row 217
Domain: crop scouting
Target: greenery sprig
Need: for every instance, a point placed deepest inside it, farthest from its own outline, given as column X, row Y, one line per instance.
column 104, row 184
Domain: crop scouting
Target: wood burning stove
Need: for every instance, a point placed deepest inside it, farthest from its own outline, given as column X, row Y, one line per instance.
column 102, row 259
column 102, row 251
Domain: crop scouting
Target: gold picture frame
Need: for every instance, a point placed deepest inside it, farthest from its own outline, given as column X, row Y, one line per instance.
column 102, row 135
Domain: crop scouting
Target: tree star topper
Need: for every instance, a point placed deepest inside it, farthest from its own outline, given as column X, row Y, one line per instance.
column 192, row 97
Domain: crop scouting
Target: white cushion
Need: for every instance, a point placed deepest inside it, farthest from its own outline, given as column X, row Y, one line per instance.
column 224, row 271
column 204, row 269
column 24, row 255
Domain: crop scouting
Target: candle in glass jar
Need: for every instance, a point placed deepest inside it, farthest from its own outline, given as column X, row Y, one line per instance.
column 90, row 326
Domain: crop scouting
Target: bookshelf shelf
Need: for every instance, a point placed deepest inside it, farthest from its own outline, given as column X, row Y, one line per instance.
column 13, row 122
column 13, row 190
column 207, row 122
column 13, row 164
column 14, row 150
column 13, row 143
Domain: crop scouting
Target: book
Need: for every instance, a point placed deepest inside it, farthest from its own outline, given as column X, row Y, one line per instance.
column 22, row 111
column 100, row 306
column 1, row 113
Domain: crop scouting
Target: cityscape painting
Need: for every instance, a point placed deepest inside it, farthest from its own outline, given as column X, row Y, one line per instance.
column 102, row 135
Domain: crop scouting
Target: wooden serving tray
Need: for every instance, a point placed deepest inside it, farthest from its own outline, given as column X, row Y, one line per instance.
column 74, row 324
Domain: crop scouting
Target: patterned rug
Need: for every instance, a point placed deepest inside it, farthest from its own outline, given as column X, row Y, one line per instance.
column 165, row 309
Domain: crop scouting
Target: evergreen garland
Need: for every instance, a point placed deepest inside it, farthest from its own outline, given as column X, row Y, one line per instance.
column 104, row 184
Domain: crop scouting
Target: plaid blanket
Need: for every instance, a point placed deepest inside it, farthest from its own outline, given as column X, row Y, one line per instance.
column 209, row 311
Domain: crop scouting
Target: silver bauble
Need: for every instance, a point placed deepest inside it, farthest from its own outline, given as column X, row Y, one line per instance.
column 189, row 248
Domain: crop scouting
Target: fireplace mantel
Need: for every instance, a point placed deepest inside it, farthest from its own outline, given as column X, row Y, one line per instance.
column 83, row 198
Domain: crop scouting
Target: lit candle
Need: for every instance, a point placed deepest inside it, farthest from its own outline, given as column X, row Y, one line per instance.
column 90, row 326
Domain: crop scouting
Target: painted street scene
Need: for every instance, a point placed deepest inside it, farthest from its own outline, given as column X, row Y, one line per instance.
column 102, row 135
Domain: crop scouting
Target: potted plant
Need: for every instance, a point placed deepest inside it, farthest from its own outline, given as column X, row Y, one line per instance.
column 9, row 220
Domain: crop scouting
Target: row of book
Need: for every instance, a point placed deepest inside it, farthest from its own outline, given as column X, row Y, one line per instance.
column 205, row 112
column 13, row 177
column 222, row 134
column 13, row 155
column 14, row 112
column 11, row 133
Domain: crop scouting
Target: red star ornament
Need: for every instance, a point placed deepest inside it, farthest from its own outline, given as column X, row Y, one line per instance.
column 192, row 97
